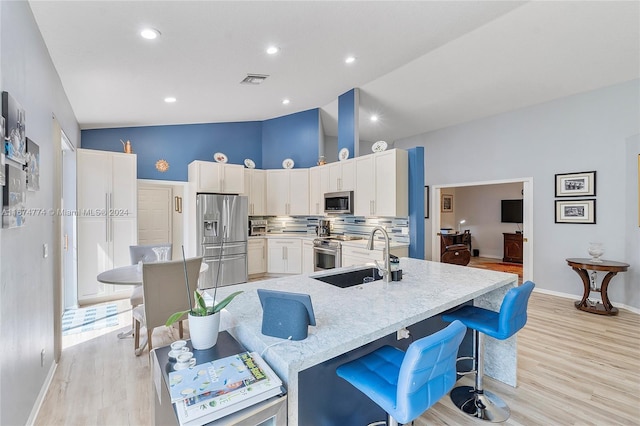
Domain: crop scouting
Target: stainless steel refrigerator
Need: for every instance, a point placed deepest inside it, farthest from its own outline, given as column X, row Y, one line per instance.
column 222, row 238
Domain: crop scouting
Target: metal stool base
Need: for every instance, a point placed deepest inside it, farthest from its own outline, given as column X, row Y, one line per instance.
column 484, row 406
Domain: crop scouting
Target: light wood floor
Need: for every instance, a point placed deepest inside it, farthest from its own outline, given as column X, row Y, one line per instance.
column 574, row 368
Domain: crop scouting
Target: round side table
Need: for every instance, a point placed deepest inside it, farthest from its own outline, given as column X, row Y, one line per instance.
column 581, row 266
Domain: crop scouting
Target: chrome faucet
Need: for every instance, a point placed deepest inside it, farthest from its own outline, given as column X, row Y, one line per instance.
column 386, row 271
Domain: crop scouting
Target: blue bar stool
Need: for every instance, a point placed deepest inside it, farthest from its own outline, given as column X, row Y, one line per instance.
column 475, row 401
column 407, row 384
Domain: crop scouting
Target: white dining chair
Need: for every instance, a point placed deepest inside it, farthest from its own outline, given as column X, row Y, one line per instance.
column 145, row 254
column 165, row 292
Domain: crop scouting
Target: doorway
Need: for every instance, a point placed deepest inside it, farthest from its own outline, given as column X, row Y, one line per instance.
column 527, row 228
column 160, row 217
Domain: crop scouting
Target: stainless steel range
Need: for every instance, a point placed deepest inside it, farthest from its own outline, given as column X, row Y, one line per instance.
column 327, row 252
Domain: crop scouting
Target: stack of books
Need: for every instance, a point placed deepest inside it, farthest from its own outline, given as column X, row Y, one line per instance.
column 207, row 392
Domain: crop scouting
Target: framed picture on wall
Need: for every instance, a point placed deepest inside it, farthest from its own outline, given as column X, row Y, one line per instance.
column 579, row 184
column 576, row 211
column 33, row 166
column 446, row 203
column 14, row 196
column 15, row 143
column 426, row 202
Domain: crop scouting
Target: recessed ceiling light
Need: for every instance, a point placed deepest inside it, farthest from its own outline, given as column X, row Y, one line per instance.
column 374, row 118
column 169, row 99
column 350, row 59
column 272, row 50
column 149, row 33
column 285, row 101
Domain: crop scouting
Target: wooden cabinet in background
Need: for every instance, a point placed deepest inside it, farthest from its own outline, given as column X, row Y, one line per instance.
column 512, row 248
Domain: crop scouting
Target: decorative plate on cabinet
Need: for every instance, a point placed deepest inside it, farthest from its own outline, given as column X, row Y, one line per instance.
column 343, row 154
column 379, row 146
column 220, row 157
column 287, row 163
column 249, row 164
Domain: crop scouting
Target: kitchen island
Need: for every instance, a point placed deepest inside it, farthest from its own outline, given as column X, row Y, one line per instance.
column 355, row 320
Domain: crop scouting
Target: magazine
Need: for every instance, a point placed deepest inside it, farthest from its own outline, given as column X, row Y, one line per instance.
column 218, row 388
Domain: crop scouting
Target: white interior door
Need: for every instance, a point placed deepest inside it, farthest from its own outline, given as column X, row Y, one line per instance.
column 154, row 214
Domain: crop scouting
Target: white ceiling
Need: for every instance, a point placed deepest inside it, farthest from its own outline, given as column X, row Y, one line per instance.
column 421, row 65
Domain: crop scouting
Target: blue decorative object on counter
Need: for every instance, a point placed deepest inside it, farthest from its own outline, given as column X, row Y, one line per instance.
column 286, row 315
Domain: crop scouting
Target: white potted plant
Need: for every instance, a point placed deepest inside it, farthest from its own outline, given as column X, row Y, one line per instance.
column 204, row 321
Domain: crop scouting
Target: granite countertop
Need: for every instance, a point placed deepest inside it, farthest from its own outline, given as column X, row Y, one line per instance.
column 348, row 318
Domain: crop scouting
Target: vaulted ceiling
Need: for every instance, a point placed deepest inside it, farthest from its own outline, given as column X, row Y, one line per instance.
column 420, row 65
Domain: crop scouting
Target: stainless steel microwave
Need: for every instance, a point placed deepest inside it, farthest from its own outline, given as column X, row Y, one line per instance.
column 338, row 202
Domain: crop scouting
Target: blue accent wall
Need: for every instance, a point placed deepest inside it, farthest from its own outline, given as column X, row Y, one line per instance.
column 292, row 136
column 347, row 121
column 416, row 202
column 181, row 144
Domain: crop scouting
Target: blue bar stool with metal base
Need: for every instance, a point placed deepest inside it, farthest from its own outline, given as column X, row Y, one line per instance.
column 407, row 384
column 475, row 401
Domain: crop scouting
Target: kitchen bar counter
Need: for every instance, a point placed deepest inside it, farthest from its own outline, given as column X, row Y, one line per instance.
column 350, row 318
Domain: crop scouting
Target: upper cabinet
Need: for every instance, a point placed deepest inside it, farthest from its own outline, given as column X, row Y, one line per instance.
column 288, row 192
column 316, row 191
column 255, row 185
column 382, row 184
column 341, row 176
column 222, row 178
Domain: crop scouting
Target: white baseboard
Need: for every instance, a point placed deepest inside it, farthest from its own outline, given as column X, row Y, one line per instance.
column 579, row 297
column 43, row 392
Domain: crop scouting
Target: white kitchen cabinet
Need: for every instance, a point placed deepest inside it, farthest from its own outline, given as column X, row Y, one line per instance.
column 382, row 184
column 107, row 220
column 257, row 256
column 316, row 193
column 255, row 185
column 288, row 192
column 342, row 176
column 221, row 178
column 284, row 256
column 352, row 256
column 307, row 256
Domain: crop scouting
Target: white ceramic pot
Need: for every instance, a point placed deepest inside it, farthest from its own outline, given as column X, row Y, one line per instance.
column 204, row 330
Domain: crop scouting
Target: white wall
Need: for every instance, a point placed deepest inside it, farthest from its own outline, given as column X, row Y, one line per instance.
column 584, row 132
column 26, row 311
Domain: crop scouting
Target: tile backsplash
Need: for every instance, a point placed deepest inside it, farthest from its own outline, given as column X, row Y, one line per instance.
column 396, row 227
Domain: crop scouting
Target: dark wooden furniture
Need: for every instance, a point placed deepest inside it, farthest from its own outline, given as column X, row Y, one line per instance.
column 512, row 251
column 457, row 238
column 457, row 254
column 581, row 266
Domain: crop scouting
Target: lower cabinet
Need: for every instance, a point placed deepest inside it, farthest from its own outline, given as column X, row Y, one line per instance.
column 257, row 256
column 284, row 256
column 307, row 256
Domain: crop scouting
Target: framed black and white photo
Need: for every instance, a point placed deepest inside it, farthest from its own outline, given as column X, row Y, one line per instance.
column 426, row 202
column 576, row 211
column 33, row 166
column 446, row 203
column 581, row 184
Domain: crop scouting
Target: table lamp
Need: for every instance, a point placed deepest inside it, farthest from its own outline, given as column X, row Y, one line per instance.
column 462, row 222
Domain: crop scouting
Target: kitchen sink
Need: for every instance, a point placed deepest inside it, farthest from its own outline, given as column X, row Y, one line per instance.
column 351, row 278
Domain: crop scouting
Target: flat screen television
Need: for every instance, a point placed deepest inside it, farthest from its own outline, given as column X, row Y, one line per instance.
column 511, row 211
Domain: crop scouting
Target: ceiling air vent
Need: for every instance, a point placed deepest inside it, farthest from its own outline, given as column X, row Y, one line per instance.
column 254, row 79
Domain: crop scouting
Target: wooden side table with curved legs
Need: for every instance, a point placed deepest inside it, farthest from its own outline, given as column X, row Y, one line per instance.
column 581, row 266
